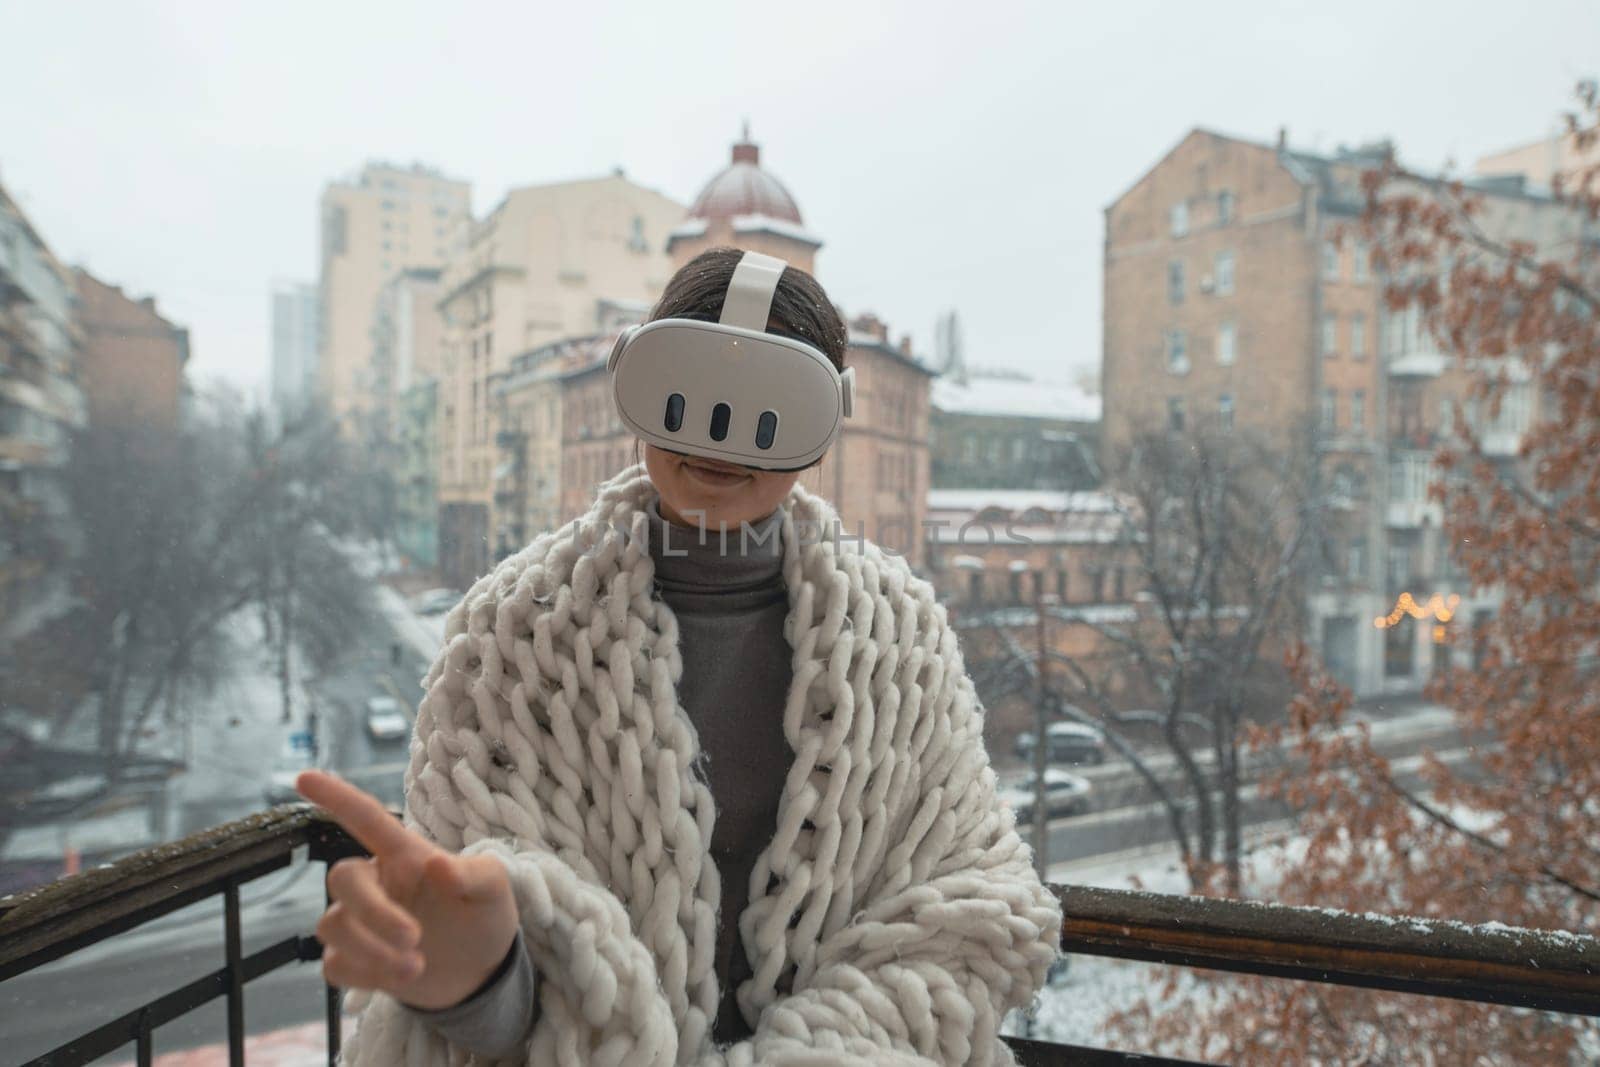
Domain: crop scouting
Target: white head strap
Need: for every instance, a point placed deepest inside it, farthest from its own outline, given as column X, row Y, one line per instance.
column 748, row 302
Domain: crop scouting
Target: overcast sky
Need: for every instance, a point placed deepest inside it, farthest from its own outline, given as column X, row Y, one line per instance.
column 950, row 155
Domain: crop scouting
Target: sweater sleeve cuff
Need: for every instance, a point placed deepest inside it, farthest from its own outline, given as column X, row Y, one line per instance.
column 495, row 1019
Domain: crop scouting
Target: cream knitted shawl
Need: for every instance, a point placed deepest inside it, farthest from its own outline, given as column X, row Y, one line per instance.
column 894, row 917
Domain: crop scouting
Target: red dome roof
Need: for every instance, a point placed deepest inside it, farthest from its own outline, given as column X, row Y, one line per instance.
column 743, row 188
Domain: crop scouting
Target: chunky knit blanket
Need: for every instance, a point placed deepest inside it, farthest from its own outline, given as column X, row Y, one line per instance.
column 893, row 919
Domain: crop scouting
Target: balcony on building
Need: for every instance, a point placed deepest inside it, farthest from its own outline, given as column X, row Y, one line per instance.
column 1409, row 349
column 1411, row 473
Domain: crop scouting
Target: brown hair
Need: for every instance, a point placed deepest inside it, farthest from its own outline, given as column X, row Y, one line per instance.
column 800, row 308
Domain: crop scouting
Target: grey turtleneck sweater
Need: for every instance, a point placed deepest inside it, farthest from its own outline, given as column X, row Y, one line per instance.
column 730, row 601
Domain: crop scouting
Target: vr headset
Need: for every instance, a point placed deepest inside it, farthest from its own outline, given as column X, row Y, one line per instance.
column 730, row 390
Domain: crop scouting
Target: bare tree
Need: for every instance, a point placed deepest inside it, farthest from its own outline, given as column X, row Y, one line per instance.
column 1218, row 531
column 172, row 532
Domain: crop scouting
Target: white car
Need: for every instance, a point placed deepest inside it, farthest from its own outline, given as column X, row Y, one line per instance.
column 385, row 719
column 1064, row 794
column 435, row 601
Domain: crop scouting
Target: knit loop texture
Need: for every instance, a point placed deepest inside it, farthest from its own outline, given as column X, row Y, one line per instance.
column 893, row 919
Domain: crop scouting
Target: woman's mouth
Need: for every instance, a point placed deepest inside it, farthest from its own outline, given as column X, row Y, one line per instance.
column 714, row 477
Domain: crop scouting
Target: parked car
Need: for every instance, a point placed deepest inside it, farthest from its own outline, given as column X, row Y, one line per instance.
column 435, row 601
column 386, row 721
column 285, row 769
column 1064, row 793
column 1070, row 742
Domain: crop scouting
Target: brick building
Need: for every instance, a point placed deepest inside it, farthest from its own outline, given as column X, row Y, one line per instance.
column 1236, row 298
column 1000, row 547
column 132, row 362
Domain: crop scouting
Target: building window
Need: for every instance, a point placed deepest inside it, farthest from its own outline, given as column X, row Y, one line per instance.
column 1358, row 410
column 1179, row 217
column 1225, row 411
column 1330, row 261
column 1227, row 342
column 1175, row 282
column 1224, row 207
column 1330, row 335
column 1175, row 414
column 1177, row 352
column 1361, row 262
column 1356, row 562
column 1358, row 337
column 1224, row 273
column 1399, row 647
column 1330, row 409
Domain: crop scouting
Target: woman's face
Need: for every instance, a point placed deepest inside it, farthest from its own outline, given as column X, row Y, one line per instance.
column 712, row 494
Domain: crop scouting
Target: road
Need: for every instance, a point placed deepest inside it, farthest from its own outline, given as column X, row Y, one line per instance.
column 1125, row 816
column 45, row 1008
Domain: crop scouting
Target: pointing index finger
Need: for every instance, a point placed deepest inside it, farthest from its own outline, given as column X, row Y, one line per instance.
column 358, row 812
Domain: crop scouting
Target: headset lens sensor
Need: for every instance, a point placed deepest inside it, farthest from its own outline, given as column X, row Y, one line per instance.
column 719, row 422
column 674, row 416
column 766, row 429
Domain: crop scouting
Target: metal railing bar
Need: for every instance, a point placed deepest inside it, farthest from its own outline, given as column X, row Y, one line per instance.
column 334, row 996
column 1032, row 1053
column 235, row 971
column 145, row 1046
column 109, row 1037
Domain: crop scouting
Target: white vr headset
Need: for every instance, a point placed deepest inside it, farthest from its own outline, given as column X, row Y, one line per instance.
column 729, row 390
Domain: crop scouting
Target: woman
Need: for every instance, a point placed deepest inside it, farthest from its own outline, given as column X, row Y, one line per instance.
column 677, row 798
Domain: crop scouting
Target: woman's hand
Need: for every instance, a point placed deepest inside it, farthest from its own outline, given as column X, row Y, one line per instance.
column 414, row 920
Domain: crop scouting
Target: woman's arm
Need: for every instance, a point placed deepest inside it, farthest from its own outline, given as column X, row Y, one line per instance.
column 597, row 985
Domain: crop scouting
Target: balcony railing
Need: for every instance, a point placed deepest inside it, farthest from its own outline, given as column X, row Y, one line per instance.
column 1492, row 965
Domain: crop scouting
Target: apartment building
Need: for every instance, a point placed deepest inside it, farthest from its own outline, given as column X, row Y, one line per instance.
column 549, row 263
column 295, row 332
column 386, row 220
column 41, row 404
column 1238, row 296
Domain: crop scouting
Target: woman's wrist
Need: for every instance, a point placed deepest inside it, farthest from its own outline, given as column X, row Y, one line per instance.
column 494, row 978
